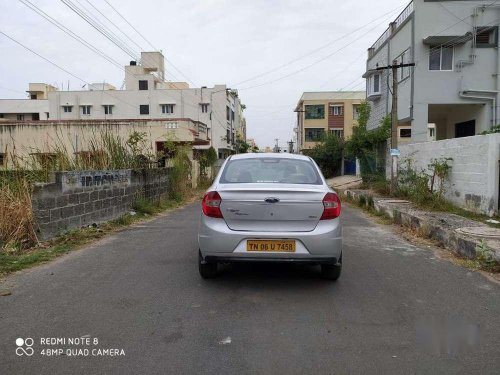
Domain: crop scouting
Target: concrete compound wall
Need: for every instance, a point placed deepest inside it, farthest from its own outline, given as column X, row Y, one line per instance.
column 474, row 177
column 80, row 198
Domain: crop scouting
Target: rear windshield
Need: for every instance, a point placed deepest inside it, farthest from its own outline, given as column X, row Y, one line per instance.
column 270, row 170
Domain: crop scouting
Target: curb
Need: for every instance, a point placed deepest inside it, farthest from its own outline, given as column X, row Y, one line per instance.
column 439, row 226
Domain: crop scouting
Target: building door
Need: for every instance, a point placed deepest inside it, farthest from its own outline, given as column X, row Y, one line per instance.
column 350, row 167
column 35, row 116
column 465, row 129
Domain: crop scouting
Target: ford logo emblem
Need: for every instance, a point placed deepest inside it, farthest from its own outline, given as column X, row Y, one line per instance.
column 272, row 200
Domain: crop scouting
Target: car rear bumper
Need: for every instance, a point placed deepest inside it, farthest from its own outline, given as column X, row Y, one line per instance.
column 218, row 242
column 268, row 258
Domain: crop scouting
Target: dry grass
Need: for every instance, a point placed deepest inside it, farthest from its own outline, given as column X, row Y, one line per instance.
column 17, row 230
column 104, row 151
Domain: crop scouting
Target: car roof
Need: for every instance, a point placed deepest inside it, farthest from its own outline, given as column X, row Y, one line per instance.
column 268, row 155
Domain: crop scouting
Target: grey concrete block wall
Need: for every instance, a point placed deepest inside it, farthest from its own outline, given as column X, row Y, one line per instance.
column 80, row 198
column 474, row 177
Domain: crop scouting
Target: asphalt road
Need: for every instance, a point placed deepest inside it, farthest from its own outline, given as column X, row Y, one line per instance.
column 139, row 290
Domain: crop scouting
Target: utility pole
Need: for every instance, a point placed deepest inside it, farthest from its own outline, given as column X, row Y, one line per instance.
column 394, row 120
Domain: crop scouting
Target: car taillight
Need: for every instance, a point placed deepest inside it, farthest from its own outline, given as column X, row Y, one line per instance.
column 331, row 203
column 211, row 204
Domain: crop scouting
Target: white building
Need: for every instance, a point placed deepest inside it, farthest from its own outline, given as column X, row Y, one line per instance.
column 148, row 96
column 453, row 90
column 35, row 108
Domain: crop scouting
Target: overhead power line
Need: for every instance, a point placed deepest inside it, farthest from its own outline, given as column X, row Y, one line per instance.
column 132, row 26
column 315, row 62
column 42, row 57
column 99, row 28
column 147, row 41
column 116, row 27
column 308, row 54
column 69, row 32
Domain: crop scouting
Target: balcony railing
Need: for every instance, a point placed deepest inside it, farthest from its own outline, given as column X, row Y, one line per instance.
column 381, row 39
column 397, row 23
column 404, row 15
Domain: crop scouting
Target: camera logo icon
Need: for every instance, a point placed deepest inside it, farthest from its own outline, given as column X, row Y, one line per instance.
column 24, row 346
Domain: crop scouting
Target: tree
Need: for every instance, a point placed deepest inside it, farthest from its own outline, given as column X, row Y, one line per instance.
column 328, row 155
column 367, row 145
column 207, row 160
column 241, row 146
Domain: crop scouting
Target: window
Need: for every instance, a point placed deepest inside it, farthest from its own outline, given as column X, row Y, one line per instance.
column 33, row 96
column 404, row 133
column 232, row 115
column 314, row 134
column 144, row 109
column 404, row 72
column 336, row 110
column 167, row 108
column 86, row 110
column 314, row 112
column 1, row 115
column 337, row 132
column 20, row 117
column 2, row 160
column 143, row 85
column 441, row 58
column 204, row 107
column 171, row 125
column 108, row 109
column 228, row 113
column 355, row 111
column 487, row 36
column 67, row 108
column 270, row 170
column 374, row 85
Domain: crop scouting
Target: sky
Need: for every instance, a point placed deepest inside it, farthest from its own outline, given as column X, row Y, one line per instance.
column 270, row 50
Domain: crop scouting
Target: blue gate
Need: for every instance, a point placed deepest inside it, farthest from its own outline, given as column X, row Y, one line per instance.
column 350, row 167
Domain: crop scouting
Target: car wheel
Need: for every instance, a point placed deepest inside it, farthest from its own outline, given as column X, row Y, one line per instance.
column 207, row 270
column 332, row 271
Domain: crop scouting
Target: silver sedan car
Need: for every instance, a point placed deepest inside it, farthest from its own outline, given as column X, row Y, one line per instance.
column 270, row 208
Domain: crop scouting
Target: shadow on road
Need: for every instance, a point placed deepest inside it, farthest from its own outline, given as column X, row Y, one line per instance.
column 270, row 276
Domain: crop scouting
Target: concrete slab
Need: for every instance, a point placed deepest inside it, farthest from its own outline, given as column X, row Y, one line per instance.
column 344, row 182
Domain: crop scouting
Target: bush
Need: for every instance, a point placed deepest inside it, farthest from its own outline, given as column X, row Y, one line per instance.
column 420, row 186
column 368, row 146
column 180, row 175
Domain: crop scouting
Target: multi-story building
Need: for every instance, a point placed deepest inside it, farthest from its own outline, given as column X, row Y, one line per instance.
column 148, row 96
column 35, row 108
column 319, row 113
column 453, row 90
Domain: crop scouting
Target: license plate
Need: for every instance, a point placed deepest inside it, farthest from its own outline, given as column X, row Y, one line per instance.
column 284, row 246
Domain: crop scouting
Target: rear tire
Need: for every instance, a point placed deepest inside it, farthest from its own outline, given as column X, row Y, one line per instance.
column 207, row 270
column 332, row 271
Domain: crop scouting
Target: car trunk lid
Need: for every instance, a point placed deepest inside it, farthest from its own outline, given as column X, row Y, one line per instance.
column 271, row 208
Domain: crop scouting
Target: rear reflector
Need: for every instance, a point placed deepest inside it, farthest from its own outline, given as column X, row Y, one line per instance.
column 331, row 203
column 211, row 204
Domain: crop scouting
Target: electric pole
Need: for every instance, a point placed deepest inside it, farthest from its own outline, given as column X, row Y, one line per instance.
column 394, row 120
